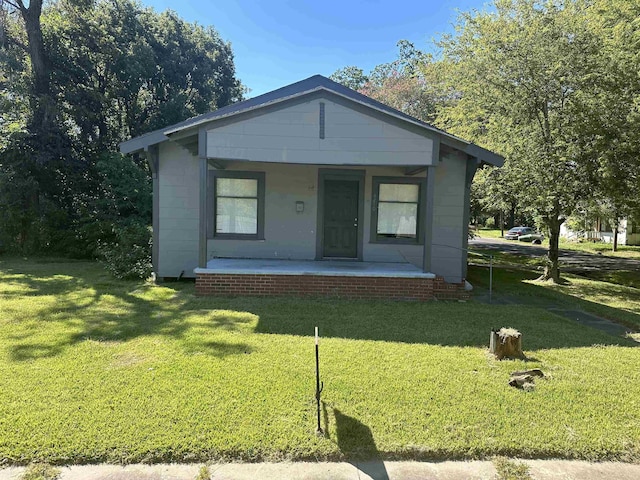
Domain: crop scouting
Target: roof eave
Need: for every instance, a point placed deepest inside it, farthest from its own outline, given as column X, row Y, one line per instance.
column 484, row 155
column 140, row 143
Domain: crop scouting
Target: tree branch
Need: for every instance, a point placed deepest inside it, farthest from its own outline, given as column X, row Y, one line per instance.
column 17, row 4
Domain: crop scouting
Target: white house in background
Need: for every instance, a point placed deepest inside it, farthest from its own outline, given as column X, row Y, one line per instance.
column 628, row 232
column 312, row 179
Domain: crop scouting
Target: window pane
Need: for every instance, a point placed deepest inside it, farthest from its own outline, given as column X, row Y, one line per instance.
column 397, row 219
column 236, row 187
column 237, row 215
column 398, row 192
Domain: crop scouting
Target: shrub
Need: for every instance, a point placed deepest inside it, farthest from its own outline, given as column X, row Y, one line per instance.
column 129, row 256
column 490, row 223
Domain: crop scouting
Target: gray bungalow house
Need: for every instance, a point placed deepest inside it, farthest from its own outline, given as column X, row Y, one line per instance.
column 311, row 189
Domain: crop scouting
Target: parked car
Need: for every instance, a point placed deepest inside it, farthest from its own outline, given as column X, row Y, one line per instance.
column 535, row 238
column 524, row 234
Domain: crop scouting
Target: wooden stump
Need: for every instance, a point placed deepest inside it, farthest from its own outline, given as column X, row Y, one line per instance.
column 506, row 342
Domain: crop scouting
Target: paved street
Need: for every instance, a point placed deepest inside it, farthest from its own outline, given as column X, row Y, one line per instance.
column 570, row 259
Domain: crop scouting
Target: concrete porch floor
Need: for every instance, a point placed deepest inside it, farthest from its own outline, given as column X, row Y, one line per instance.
column 340, row 268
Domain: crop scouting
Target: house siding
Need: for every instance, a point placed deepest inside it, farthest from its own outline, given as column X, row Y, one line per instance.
column 448, row 232
column 292, row 135
column 178, row 211
column 291, row 235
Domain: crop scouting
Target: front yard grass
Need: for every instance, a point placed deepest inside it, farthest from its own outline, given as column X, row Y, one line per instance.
column 94, row 369
column 614, row 301
column 489, row 232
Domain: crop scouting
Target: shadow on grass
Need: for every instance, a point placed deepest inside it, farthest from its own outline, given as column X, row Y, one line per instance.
column 218, row 349
column 510, row 284
column 621, row 277
column 356, row 442
column 90, row 304
column 437, row 323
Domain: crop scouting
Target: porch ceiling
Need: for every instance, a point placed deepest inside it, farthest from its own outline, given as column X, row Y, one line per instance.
column 309, row 267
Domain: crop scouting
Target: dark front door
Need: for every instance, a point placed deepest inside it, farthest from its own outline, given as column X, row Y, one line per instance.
column 340, row 236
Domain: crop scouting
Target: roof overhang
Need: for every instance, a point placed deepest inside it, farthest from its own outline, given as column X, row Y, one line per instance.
column 158, row 136
column 142, row 142
column 483, row 155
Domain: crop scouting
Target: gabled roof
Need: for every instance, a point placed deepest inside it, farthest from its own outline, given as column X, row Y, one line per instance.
column 304, row 87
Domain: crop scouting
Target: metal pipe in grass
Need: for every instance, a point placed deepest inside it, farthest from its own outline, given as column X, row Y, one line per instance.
column 490, row 277
column 319, row 385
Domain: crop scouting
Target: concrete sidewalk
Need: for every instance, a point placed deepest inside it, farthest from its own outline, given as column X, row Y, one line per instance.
column 474, row 470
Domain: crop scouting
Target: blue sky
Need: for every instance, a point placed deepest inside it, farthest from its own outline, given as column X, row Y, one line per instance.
column 278, row 42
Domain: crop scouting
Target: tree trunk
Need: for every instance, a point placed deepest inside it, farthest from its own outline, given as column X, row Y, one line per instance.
column 42, row 103
column 615, row 237
column 552, row 268
column 501, row 225
column 46, row 137
column 512, row 216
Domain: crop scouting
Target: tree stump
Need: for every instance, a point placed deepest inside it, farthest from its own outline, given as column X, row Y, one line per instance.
column 506, row 342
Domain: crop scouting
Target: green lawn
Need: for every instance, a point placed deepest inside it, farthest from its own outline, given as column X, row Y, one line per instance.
column 617, row 302
column 489, row 233
column 95, row 369
column 629, row 277
column 503, row 257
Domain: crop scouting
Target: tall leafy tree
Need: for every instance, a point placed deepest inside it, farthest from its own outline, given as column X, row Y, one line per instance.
column 76, row 78
column 404, row 83
column 611, row 130
column 519, row 71
column 352, row 77
column 46, row 137
column 130, row 70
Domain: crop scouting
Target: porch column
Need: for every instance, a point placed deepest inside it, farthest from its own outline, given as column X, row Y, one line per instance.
column 152, row 155
column 428, row 218
column 202, row 231
column 472, row 166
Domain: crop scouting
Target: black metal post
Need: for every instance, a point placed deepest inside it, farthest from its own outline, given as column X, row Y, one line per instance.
column 319, row 385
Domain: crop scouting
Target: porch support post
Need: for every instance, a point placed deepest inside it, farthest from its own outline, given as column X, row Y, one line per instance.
column 428, row 219
column 472, row 166
column 202, row 238
column 153, row 158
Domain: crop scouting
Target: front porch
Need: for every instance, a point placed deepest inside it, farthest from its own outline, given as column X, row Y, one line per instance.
column 347, row 279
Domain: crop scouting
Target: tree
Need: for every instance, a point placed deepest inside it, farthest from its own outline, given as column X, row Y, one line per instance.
column 497, row 195
column 519, row 72
column 611, row 130
column 130, row 70
column 76, row 78
column 401, row 84
column 47, row 138
column 351, row 77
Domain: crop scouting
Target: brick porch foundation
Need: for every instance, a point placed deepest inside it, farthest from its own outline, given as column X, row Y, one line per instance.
column 357, row 287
